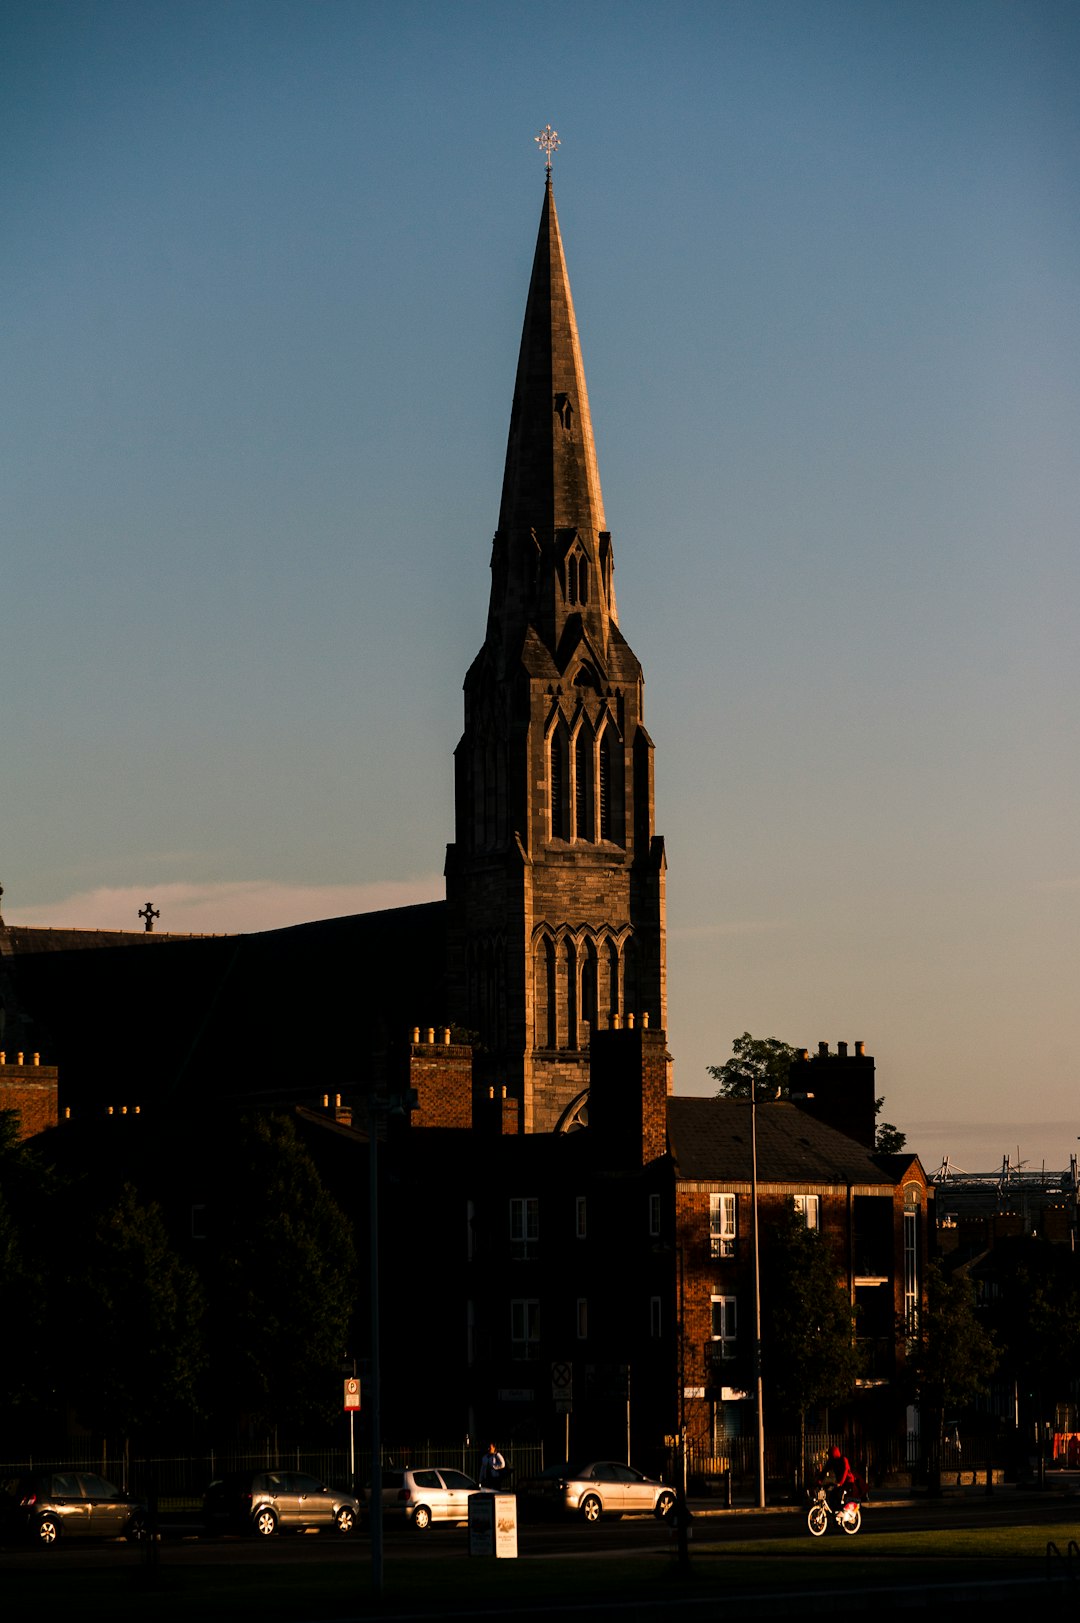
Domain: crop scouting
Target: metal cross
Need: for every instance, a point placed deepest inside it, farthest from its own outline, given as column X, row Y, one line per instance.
column 547, row 141
column 149, row 913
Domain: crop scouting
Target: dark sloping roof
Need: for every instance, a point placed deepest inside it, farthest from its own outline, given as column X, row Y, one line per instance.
column 709, row 1140
column 270, row 1016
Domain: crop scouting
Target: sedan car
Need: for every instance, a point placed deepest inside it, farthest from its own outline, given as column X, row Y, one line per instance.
column 263, row 1502
column 48, row 1505
column 601, row 1488
column 429, row 1494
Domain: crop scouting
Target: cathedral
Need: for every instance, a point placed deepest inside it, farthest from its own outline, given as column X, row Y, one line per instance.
column 553, row 924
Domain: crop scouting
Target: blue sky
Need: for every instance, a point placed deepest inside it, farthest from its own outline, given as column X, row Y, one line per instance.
column 265, row 269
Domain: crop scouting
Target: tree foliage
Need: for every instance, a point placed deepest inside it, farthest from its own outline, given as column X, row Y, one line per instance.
column 140, row 1365
column 765, row 1061
column 809, row 1356
column 283, row 1282
column 951, row 1357
column 1035, row 1315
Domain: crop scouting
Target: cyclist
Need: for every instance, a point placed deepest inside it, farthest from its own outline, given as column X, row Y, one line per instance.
column 837, row 1477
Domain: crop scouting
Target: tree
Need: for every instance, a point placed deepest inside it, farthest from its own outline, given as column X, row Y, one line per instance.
column 888, row 1140
column 27, row 1191
column 951, row 1357
column 141, row 1365
column 764, row 1060
column 809, row 1356
column 282, row 1279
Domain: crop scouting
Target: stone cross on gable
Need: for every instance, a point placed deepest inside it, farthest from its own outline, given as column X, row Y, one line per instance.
column 149, row 913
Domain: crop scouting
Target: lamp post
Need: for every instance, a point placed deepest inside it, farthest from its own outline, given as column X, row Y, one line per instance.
column 381, row 1108
column 757, row 1297
column 375, row 1106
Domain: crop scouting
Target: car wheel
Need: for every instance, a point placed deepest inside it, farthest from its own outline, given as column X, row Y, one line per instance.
column 345, row 1520
column 591, row 1508
column 665, row 1505
column 265, row 1522
column 137, row 1529
column 47, row 1530
column 421, row 1518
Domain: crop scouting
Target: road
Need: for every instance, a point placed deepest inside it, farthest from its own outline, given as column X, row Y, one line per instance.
column 183, row 1542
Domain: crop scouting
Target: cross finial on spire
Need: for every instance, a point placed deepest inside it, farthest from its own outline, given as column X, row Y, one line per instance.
column 547, row 141
column 149, row 913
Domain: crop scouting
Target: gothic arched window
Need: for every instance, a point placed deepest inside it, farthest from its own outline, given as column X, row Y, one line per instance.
column 558, row 786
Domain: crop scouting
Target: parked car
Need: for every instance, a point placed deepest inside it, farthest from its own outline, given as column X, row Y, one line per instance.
column 48, row 1505
column 263, row 1502
column 601, row 1488
column 428, row 1494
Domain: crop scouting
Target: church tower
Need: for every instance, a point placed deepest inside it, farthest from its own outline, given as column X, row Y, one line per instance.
column 555, row 879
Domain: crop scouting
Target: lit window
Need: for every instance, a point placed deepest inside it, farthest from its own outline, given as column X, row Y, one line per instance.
column 721, row 1225
column 809, row 1209
column 724, row 1325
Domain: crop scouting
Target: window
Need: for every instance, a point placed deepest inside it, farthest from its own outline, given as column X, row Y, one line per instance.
column 579, row 1217
column 654, row 1215
column 721, row 1225
column 654, row 1316
column 525, row 1328
column 582, row 1318
column 524, row 1227
column 911, row 1260
column 809, row 1209
column 724, row 1325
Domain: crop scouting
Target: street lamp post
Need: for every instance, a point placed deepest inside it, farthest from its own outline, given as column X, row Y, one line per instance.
column 757, row 1297
column 375, row 1518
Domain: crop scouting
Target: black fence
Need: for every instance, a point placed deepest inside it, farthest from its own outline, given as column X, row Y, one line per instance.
column 181, row 1480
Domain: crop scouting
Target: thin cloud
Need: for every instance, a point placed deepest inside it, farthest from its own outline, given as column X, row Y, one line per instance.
column 728, row 927
column 226, row 908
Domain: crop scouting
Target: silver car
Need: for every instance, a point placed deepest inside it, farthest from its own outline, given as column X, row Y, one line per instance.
column 429, row 1494
column 601, row 1488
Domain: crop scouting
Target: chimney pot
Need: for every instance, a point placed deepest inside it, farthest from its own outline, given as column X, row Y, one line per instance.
column 431, row 1036
column 645, row 1019
column 416, row 1034
column 629, row 1022
column 37, row 1059
column 860, row 1049
column 823, row 1050
column 841, row 1049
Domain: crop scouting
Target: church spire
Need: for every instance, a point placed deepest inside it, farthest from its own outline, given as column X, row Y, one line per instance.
column 551, row 481
column 552, row 564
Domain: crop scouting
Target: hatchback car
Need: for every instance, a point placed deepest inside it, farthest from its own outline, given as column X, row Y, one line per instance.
column 429, row 1494
column 602, row 1488
column 49, row 1505
column 263, row 1502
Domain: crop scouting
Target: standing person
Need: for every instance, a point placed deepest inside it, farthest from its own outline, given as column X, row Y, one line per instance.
column 492, row 1467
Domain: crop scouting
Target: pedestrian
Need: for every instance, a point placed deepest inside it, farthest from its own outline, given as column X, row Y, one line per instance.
column 492, row 1467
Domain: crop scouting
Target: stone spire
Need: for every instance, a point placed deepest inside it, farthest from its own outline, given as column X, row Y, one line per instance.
column 552, row 555
column 551, row 480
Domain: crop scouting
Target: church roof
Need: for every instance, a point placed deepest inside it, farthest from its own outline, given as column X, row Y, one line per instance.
column 268, row 1017
column 709, row 1141
column 551, row 479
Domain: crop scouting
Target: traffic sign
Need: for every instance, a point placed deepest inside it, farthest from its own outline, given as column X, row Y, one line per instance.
column 562, row 1380
column 352, row 1394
